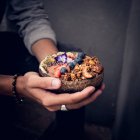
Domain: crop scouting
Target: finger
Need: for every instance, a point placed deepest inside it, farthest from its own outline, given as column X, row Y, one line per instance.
column 77, row 105
column 48, row 98
column 85, row 102
column 44, row 82
column 53, row 108
column 80, row 104
column 31, row 73
column 66, row 98
column 102, row 87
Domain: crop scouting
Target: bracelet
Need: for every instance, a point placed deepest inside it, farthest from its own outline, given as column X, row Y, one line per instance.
column 14, row 92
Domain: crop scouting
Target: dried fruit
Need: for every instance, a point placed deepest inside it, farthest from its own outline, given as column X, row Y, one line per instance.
column 86, row 73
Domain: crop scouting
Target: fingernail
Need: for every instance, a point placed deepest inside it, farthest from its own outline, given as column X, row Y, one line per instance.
column 93, row 88
column 56, row 83
column 100, row 92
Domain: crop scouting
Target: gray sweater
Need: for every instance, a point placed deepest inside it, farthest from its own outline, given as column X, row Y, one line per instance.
column 31, row 21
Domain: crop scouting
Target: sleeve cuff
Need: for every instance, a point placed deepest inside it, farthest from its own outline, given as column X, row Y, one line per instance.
column 36, row 34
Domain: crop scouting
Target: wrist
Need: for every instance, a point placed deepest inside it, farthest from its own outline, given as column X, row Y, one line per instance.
column 20, row 85
column 44, row 47
column 14, row 89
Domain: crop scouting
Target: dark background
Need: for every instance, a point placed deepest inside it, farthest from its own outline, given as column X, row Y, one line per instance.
column 99, row 27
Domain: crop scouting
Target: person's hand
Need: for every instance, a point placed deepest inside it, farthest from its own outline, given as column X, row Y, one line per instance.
column 38, row 88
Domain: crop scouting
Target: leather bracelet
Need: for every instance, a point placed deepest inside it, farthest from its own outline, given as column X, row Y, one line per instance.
column 14, row 92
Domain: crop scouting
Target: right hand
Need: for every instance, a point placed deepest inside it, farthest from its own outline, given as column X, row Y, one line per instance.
column 38, row 88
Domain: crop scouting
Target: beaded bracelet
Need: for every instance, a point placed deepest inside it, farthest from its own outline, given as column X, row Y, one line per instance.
column 14, row 92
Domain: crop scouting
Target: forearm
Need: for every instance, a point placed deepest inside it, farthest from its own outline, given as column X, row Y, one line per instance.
column 6, row 85
column 43, row 47
column 32, row 22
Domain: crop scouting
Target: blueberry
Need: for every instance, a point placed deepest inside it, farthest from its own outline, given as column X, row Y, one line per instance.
column 72, row 65
column 81, row 55
column 79, row 60
column 63, row 70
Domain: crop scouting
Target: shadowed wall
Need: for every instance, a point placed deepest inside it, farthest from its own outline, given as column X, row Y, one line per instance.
column 99, row 28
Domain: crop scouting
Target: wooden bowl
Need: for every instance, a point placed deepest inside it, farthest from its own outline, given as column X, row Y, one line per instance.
column 74, row 86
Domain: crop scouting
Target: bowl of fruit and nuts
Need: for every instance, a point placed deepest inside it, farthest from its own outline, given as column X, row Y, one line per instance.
column 76, row 70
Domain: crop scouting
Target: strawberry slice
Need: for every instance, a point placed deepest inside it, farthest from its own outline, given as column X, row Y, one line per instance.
column 57, row 73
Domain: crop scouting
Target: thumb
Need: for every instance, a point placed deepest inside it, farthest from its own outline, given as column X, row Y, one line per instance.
column 46, row 82
column 55, row 83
